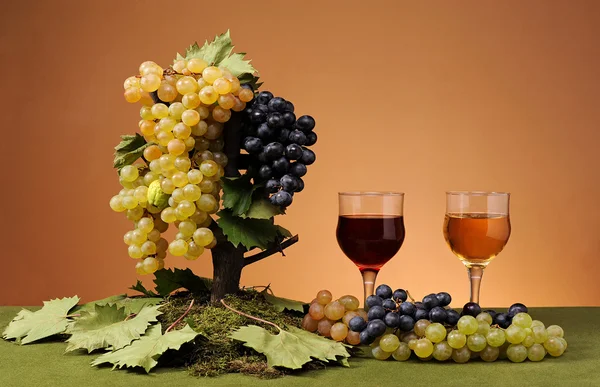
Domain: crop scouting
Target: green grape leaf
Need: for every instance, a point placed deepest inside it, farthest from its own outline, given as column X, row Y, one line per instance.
column 146, row 351
column 167, row 281
column 214, row 52
column 280, row 304
column 129, row 150
column 237, row 65
column 261, row 208
column 134, row 305
column 237, row 194
column 52, row 319
column 109, row 326
column 139, row 287
column 250, row 79
column 284, row 232
column 91, row 306
column 248, row 232
column 290, row 348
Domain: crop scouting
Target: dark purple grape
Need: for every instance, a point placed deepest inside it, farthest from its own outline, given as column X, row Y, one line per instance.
column 277, row 104
column 265, row 172
column 407, row 323
column 400, row 295
column 305, row 123
column 308, row 157
column 311, row 138
column 274, row 150
column 516, row 308
column 282, row 199
column 375, row 313
column 253, row 145
column 300, row 184
column 438, row 314
column 281, row 166
column 262, row 158
column 392, row 320
column 264, row 97
column 289, row 106
column 357, row 324
column 265, row 132
column 452, row 317
column 374, row 300
column 491, row 312
column 419, row 305
column 262, row 108
column 366, row 338
column 389, row 304
column 384, row 291
column 297, row 137
column 288, row 183
column 430, row 301
column 407, row 308
column 272, row 186
column 471, row 309
column 283, row 136
column 288, row 119
column 444, row 298
column 421, row 314
column 275, row 120
column 298, row 169
column 293, row 152
column 258, row 117
column 502, row 320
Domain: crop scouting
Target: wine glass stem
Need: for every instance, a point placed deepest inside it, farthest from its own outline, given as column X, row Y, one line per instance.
column 475, row 274
column 369, row 277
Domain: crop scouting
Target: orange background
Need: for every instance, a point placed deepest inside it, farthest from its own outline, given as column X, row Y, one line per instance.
column 420, row 97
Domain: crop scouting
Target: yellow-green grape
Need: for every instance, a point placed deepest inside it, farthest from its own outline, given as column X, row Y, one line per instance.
column 350, row 302
column 483, row 328
column 389, row 342
column 164, row 138
column 172, row 203
column 186, row 85
column 554, row 346
column 380, row 354
column 154, row 235
column 206, row 155
column 187, row 228
column 338, row 331
column 195, row 176
column 116, row 204
column 235, row 83
column 147, row 127
column 182, row 131
column 141, row 193
column 489, row 353
column 167, row 186
column 476, row 342
column 191, row 100
column 138, row 237
column 167, row 162
column 536, row 352
column 132, row 95
column 203, row 236
column 148, row 248
column 180, row 65
column 208, row 168
column 420, row 327
column 196, row 65
column 135, row 251
column 176, row 110
column 194, row 250
column 211, row 74
column 402, row 353
column 220, row 158
column 555, row 331
column 528, row 341
column 222, row 86
column 539, row 334
column 208, row 95
column 129, row 173
column 127, row 238
column 202, row 144
column 214, row 242
column 435, row 332
column 186, row 208
column 203, row 112
column 563, row 341
column 408, row 336
column 238, row 105
column 226, row 101
column 176, row 147
column 150, row 67
column 442, row 351
column 170, row 79
column 200, row 128
column 150, row 82
column 178, row 247
column 155, row 166
column 424, row 348
column 516, row 353
column 214, row 130
column 183, row 163
column 191, row 192
column 146, row 225
column 177, row 195
column 167, row 124
column 189, row 143
column 461, row 355
column 467, row 325
column 131, row 82
column 166, row 92
column 129, row 202
column 334, row 310
column 139, row 268
column 150, row 265
column 160, row 110
column 168, row 215
column 207, row 203
column 522, row 320
column 190, row 117
column 179, row 179
column 221, row 115
column 457, row 339
column 537, row 323
column 152, row 153
column 246, row 95
column 484, row 317
column 146, row 113
column 199, row 216
column 495, row 337
column 515, row 334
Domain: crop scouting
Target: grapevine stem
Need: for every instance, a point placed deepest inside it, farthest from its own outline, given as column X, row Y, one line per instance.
column 411, row 297
column 73, row 315
column 182, row 316
column 130, row 316
column 249, row 316
column 273, row 250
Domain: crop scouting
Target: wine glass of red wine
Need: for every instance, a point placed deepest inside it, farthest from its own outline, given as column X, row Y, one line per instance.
column 370, row 231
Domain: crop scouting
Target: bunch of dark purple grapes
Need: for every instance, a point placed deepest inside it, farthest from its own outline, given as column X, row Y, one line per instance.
column 277, row 143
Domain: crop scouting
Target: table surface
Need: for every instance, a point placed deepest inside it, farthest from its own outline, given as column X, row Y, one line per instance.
column 46, row 364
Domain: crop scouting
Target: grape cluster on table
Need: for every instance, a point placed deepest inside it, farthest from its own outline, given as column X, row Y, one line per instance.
column 395, row 327
column 277, row 143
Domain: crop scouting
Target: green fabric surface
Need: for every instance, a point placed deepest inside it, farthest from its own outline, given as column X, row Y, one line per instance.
column 46, row 364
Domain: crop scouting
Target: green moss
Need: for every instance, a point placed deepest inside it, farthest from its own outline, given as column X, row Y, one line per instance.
column 220, row 354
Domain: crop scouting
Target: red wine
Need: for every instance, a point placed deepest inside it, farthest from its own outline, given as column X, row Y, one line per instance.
column 370, row 240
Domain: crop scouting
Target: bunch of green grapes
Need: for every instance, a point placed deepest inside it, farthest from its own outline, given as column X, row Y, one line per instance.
column 331, row 317
column 184, row 163
column 473, row 337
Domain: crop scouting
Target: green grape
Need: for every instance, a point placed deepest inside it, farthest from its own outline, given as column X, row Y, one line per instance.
column 116, row 203
column 138, row 237
column 186, row 208
column 206, row 186
column 187, row 228
column 167, row 186
column 127, row 238
column 349, row 302
column 562, row 340
column 334, row 310
column 168, row 215
column 554, row 346
column 402, row 353
column 537, row 323
column 178, row 247
column 167, row 124
column 154, row 235
column 555, row 331
column 495, row 337
column 380, row 354
column 483, row 328
column 176, row 110
column 191, row 192
column 408, row 336
column 484, row 317
column 457, row 339
column 420, row 327
column 160, row 110
column 424, row 348
column 536, row 352
column 195, row 176
column 141, row 194
column 516, row 353
column 389, row 343
column 135, row 251
column 167, row 162
column 148, row 248
column 442, row 351
column 146, row 113
column 435, row 332
column 150, row 265
column 515, row 334
column 129, row 173
column 139, row 268
column 209, row 168
column 461, row 355
column 503, row 349
column 199, row 216
column 179, row 179
column 129, row 202
column 203, row 236
column 489, row 353
column 207, row 203
column 467, row 325
column 145, row 224
column 177, row 195
column 476, row 342
column 182, row 163
column 135, row 214
column 528, row 341
column 412, row 344
column 180, row 236
column 194, row 250
column 522, row 320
